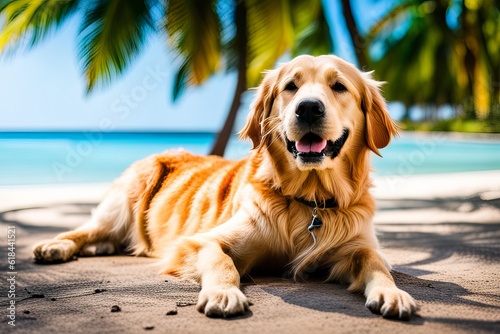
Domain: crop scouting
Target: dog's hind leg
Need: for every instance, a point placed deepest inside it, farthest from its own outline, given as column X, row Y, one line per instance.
column 102, row 234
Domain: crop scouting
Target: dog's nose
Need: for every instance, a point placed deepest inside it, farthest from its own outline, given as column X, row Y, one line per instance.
column 310, row 110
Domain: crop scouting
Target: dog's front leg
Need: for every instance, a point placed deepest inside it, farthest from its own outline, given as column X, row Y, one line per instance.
column 205, row 258
column 220, row 294
column 368, row 271
column 204, row 261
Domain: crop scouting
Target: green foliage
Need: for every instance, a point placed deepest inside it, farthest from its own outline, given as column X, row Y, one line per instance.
column 414, row 60
column 275, row 27
column 312, row 33
column 270, row 34
column 194, row 32
column 427, row 62
column 112, row 33
column 454, row 125
column 32, row 18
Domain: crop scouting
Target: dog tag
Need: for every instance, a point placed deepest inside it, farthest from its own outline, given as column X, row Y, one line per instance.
column 316, row 222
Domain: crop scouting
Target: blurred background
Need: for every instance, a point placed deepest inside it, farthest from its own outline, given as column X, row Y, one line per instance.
column 89, row 86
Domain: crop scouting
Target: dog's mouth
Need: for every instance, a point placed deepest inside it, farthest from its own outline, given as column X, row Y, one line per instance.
column 311, row 148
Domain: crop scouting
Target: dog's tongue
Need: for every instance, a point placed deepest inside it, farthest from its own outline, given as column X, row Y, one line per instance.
column 310, row 144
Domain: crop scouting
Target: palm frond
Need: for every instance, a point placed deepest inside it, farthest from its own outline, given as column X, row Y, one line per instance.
column 180, row 80
column 227, row 14
column 194, row 30
column 426, row 67
column 111, row 34
column 312, row 33
column 33, row 19
column 270, row 34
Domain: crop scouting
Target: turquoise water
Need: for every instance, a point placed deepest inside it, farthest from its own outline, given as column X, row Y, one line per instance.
column 74, row 157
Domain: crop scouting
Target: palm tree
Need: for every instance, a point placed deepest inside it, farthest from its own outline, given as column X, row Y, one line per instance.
column 426, row 64
column 358, row 41
column 243, row 35
column 435, row 61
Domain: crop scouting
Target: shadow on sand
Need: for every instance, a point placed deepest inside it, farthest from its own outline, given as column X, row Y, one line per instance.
column 463, row 239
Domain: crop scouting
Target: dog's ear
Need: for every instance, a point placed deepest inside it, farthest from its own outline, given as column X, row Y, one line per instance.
column 260, row 109
column 380, row 127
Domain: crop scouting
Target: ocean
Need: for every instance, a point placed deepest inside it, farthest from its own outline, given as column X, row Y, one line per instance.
column 74, row 157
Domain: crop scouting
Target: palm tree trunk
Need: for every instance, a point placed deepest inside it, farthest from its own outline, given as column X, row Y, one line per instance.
column 357, row 40
column 469, row 60
column 406, row 115
column 223, row 136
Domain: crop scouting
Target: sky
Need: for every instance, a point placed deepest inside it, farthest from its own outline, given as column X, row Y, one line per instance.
column 42, row 88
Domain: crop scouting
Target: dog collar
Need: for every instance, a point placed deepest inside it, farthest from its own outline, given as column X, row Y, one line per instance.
column 316, row 222
column 328, row 204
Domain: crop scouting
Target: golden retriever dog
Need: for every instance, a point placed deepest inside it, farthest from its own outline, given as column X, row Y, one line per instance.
column 299, row 200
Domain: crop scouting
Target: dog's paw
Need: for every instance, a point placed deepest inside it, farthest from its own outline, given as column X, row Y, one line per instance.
column 54, row 250
column 222, row 302
column 391, row 302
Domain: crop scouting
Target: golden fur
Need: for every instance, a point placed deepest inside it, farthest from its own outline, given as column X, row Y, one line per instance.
column 212, row 220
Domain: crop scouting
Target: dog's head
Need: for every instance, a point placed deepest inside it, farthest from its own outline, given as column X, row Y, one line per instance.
column 316, row 109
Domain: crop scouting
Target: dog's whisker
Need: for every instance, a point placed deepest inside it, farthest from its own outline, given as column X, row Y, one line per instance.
column 275, row 125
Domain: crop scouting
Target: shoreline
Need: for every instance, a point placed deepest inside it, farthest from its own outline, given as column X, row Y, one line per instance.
column 85, row 157
column 459, row 136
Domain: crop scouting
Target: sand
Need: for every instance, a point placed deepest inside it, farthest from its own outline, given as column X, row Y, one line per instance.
column 440, row 232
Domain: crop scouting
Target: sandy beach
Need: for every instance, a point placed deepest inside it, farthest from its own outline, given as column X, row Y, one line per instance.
column 441, row 232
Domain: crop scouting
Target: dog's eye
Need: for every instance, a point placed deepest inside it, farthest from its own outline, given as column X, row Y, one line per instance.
column 338, row 87
column 291, row 86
